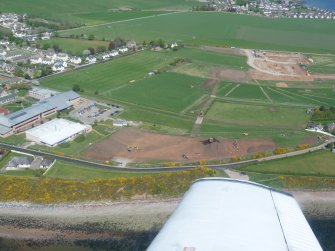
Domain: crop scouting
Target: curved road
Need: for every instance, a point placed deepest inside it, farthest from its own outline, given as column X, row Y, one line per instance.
column 160, row 168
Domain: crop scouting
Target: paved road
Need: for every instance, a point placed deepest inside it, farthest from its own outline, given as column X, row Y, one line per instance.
column 123, row 169
column 163, row 169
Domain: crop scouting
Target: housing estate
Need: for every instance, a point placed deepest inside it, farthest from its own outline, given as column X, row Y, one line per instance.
column 23, row 119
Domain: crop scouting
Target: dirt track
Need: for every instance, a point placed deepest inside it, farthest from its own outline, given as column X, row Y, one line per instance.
column 152, row 146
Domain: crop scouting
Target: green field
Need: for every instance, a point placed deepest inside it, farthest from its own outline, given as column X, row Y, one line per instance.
column 322, row 64
column 74, row 46
column 72, row 148
column 166, row 91
column 67, row 170
column 318, row 163
column 84, row 11
column 110, row 75
column 257, row 115
column 224, row 29
column 168, row 102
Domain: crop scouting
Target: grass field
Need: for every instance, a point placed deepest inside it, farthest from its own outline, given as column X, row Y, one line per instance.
column 66, row 170
column 318, row 163
column 166, row 91
column 225, row 30
column 168, row 102
column 110, row 75
column 84, row 11
column 74, row 46
column 322, row 64
column 72, row 148
column 257, row 115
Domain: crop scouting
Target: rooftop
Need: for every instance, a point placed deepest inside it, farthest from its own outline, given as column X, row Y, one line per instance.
column 56, row 131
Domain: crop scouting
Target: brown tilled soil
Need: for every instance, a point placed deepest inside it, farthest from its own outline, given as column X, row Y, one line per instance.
column 231, row 75
column 232, row 51
column 148, row 146
column 310, row 141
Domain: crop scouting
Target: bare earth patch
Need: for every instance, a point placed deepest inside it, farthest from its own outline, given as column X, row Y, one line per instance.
column 142, row 146
column 281, row 85
column 231, row 75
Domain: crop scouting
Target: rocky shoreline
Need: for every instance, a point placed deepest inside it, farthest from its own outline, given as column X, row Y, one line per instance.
column 106, row 221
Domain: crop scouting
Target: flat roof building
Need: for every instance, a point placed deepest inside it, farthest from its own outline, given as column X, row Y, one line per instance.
column 17, row 121
column 56, row 131
column 41, row 93
column 233, row 215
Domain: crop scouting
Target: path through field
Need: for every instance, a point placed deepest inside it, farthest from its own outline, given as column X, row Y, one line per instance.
column 122, row 21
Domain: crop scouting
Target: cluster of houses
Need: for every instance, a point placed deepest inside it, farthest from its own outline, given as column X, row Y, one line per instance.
column 14, row 22
column 315, row 15
column 269, row 8
column 32, row 162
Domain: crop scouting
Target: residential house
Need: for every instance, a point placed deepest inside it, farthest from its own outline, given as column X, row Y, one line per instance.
column 75, row 60
column 105, row 56
column 131, row 45
column 47, row 61
column 114, row 53
column 91, row 59
column 8, row 98
column 63, row 56
column 36, row 60
column 58, row 66
column 19, row 163
column 46, row 163
column 123, row 49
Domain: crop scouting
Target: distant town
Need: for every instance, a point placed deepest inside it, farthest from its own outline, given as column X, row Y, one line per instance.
column 269, row 8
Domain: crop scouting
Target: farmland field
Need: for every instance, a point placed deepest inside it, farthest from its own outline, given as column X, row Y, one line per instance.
column 257, row 115
column 84, row 11
column 224, row 29
column 73, row 46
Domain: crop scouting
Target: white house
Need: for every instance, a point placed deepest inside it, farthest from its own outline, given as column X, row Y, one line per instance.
column 173, row 45
column 47, row 61
column 120, row 123
column 105, row 56
column 3, row 53
column 123, row 49
column 75, row 60
column 91, row 59
column 63, row 56
column 58, row 66
column 36, row 60
column 114, row 53
column 19, row 162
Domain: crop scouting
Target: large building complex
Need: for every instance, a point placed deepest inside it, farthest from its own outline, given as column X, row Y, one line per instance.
column 56, row 131
column 231, row 215
column 23, row 119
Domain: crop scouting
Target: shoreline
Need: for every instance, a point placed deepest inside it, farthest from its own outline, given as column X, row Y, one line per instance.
column 105, row 220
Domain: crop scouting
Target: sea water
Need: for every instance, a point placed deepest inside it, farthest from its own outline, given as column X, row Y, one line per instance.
column 322, row 4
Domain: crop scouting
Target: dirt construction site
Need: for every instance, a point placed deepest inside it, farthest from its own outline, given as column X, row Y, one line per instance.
column 267, row 65
column 135, row 145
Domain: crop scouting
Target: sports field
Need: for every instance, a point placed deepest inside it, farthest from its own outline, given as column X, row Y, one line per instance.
column 258, row 115
column 224, row 29
column 170, row 101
